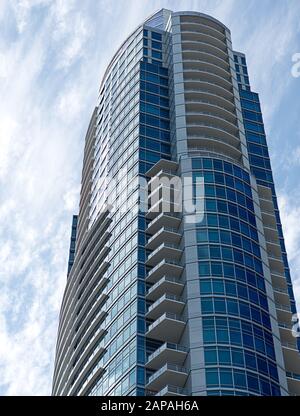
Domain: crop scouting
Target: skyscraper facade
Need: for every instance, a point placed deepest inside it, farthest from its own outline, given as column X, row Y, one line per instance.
column 178, row 278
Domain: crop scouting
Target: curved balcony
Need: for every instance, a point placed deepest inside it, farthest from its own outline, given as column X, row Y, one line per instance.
column 168, row 328
column 207, row 38
column 80, row 272
column 73, row 366
column 86, row 349
column 274, row 247
column 210, row 118
column 210, row 98
column 208, row 47
column 168, row 352
column 286, row 334
column 202, row 105
column 276, row 263
column 167, row 284
column 291, row 357
column 209, row 130
column 91, row 379
column 86, row 368
column 165, row 267
column 166, row 303
column 166, row 374
column 77, row 345
column 278, row 279
column 198, row 28
column 269, row 219
column 86, row 293
column 81, row 323
column 281, row 295
column 89, row 305
column 266, row 205
column 202, row 25
column 208, row 144
column 284, row 313
column 193, row 58
column 68, row 340
column 195, row 87
column 271, row 232
column 191, row 52
column 293, row 383
column 167, row 219
column 191, row 70
column 163, row 235
column 81, row 338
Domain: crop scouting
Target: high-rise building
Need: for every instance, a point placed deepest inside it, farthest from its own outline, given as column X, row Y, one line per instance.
column 164, row 299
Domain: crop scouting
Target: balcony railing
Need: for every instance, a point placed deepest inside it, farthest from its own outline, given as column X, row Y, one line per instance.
column 167, row 262
column 286, row 308
column 161, row 246
column 172, row 390
column 166, row 279
column 290, row 345
column 169, row 214
column 171, row 367
column 281, row 290
column 293, row 376
column 162, row 173
column 167, row 297
column 167, row 345
column 284, row 325
column 166, row 315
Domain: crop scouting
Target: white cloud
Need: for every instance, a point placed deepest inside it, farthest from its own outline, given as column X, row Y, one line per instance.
column 71, row 199
column 295, row 156
column 70, row 102
column 269, row 47
column 23, row 8
column 72, row 29
column 7, row 129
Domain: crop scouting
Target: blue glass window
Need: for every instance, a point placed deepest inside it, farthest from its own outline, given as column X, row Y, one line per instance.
column 212, row 378
column 239, row 379
column 218, row 287
column 156, row 36
column 230, row 289
column 202, row 236
column 222, row 336
column 156, row 45
column 210, row 356
column 207, row 305
column 226, row 378
column 203, row 252
column 224, row 356
column 237, row 358
column 232, row 307
column 156, row 55
column 209, row 336
column 204, row 269
column 205, row 287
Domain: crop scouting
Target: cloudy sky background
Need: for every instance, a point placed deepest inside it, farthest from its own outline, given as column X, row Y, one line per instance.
column 52, row 56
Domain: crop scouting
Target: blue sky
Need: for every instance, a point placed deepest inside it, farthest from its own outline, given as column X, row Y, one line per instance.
column 52, row 56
